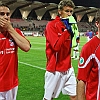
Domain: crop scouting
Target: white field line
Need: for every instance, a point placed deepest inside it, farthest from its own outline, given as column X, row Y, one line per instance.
column 32, row 65
column 38, row 43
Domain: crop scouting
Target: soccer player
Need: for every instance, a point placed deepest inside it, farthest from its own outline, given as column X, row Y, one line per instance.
column 89, row 35
column 76, row 49
column 59, row 74
column 89, row 68
column 10, row 40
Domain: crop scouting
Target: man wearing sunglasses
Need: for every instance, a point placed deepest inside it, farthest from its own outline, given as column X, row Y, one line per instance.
column 59, row 74
column 10, row 40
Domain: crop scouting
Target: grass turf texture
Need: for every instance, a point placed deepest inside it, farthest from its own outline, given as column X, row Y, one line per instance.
column 31, row 70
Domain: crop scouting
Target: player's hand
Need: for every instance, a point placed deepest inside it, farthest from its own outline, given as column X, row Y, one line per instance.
column 5, row 23
column 2, row 21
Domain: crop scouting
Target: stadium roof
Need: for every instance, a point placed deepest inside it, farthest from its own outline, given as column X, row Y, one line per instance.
column 86, row 3
column 82, row 6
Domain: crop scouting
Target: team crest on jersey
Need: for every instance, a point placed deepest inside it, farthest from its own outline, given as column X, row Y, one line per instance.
column 11, row 42
column 81, row 60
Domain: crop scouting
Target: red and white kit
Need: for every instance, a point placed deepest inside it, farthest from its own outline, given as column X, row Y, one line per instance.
column 8, row 62
column 89, row 68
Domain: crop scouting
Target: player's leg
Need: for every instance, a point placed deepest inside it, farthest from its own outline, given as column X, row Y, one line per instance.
column 2, row 95
column 73, row 54
column 70, row 84
column 77, row 52
column 9, row 95
column 51, row 80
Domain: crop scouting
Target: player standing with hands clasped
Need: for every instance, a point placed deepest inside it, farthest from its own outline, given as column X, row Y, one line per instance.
column 10, row 40
column 59, row 74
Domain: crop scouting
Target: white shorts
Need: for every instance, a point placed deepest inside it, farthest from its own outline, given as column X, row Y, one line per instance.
column 57, row 82
column 9, row 95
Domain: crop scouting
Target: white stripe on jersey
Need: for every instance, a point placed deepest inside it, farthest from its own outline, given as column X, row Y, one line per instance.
column 88, row 60
column 98, row 62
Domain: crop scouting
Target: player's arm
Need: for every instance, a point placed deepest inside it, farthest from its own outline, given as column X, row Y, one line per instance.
column 57, row 36
column 22, row 43
column 81, row 90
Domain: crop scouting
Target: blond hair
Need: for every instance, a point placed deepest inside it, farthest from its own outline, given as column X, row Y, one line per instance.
column 64, row 3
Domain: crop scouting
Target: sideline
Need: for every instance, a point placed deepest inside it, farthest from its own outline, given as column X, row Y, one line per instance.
column 32, row 65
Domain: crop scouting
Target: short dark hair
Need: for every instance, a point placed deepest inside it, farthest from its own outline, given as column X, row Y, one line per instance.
column 4, row 5
column 64, row 3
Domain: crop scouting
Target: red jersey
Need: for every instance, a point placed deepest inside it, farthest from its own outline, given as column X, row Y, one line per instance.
column 58, row 46
column 89, row 68
column 8, row 62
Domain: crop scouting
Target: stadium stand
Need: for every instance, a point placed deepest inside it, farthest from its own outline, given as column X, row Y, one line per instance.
column 21, row 9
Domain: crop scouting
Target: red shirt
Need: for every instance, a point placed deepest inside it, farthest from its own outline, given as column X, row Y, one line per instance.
column 8, row 62
column 58, row 46
column 89, row 68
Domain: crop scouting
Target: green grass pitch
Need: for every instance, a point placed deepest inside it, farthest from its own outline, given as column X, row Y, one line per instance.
column 31, row 70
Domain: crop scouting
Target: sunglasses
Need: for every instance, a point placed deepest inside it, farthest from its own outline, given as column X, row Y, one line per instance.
column 3, row 13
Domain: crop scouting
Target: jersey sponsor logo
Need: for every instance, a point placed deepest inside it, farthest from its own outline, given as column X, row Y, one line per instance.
column 7, row 51
column 2, row 38
column 1, row 52
column 10, row 50
column 81, row 60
